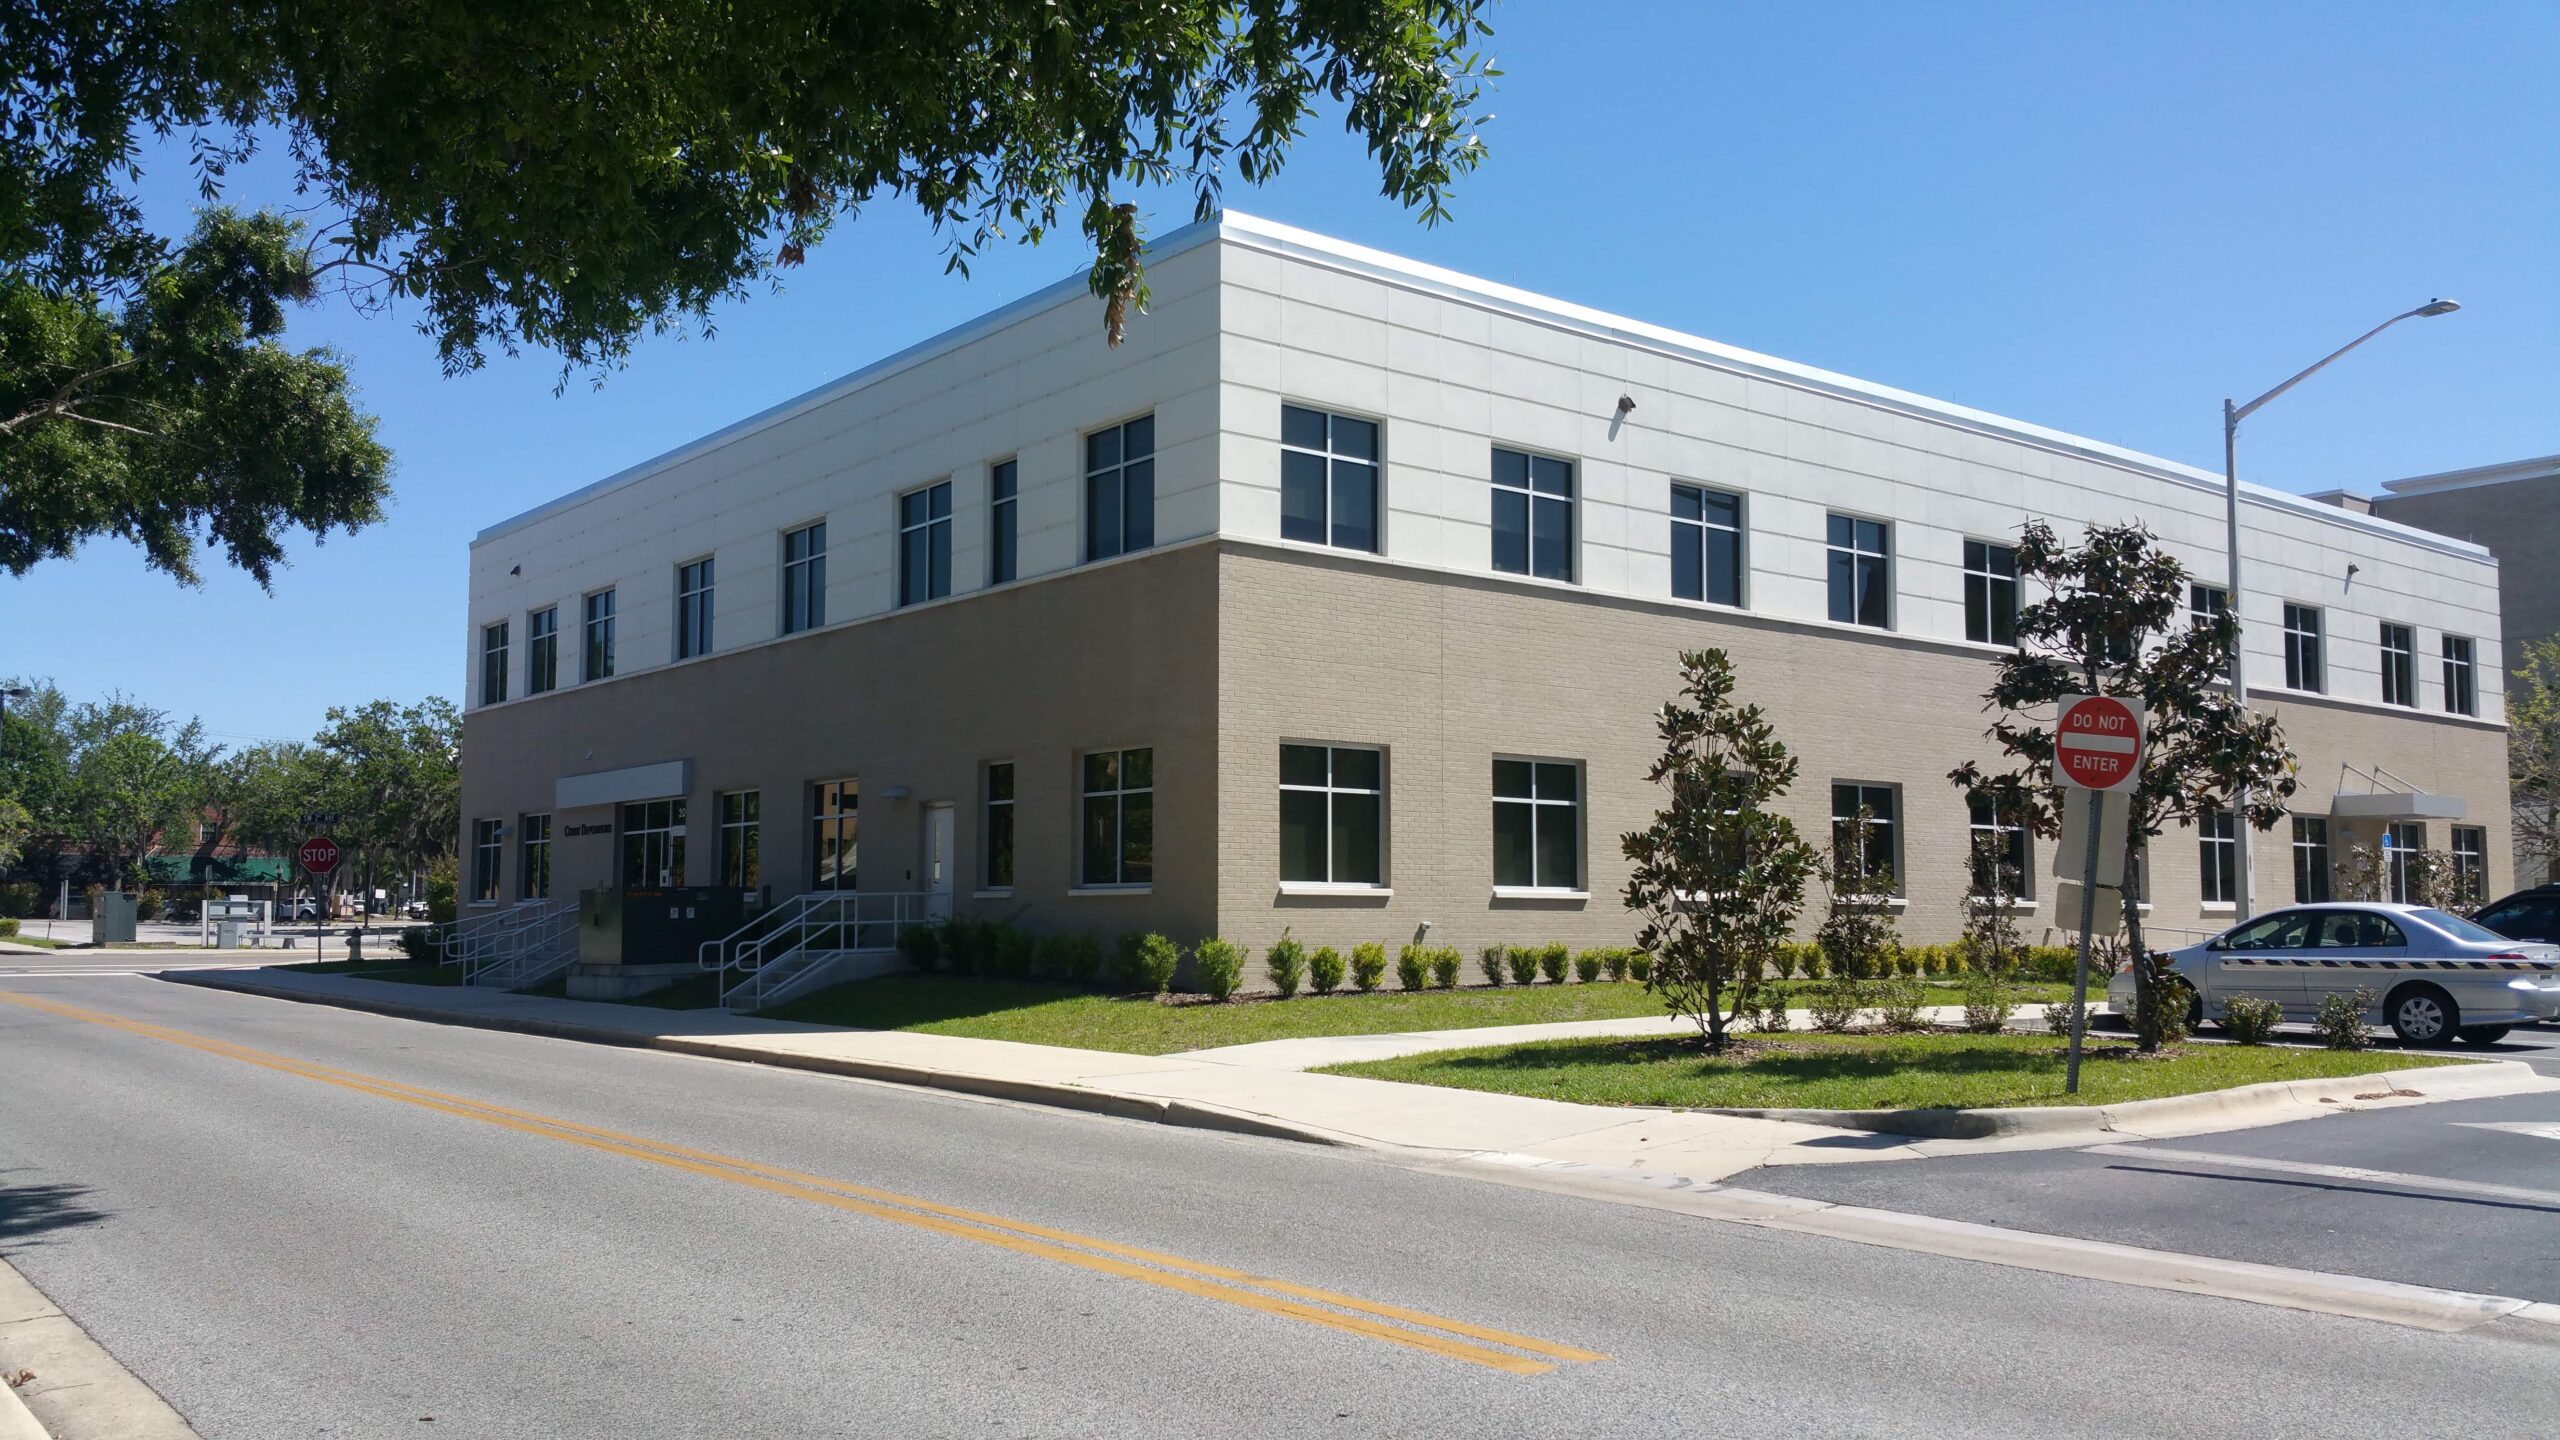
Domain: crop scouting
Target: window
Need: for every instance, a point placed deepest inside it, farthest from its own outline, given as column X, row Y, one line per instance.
column 1532, row 515
column 924, row 544
column 653, row 844
column 835, row 826
column 2471, row 862
column 1537, row 825
column 741, row 839
column 1863, row 831
column 999, row 868
column 1706, row 545
column 1990, row 593
column 2217, row 858
column 1119, row 818
column 2302, row 647
column 2310, row 860
column 693, row 609
column 1328, row 479
column 599, row 636
column 1120, row 489
column 487, row 849
column 533, row 852
column 2399, row 665
column 1861, row 572
column 1999, row 838
column 542, row 650
column 2401, row 844
column 804, row 578
column 493, row 663
column 1332, row 815
column 1003, row 526
column 2207, row 602
column 2461, row 682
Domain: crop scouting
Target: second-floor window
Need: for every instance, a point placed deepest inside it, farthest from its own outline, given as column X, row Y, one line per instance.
column 2302, row 648
column 2206, row 602
column 1003, row 522
column 1120, row 489
column 542, row 650
column 1328, row 479
column 924, row 544
column 2461, row 682
column 804, row 578
column 2399, row 665
column 1706, row 545
column 493, row 664
column 599, row 636
column 1532, row 515
column 1861, row 571
column 1990, row 593
column 693, row 609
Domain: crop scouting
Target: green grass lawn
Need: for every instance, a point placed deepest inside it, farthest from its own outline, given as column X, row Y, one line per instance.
column 38, row 941
column 1043, row 1014
column 406, row 972
column 1863, row 1072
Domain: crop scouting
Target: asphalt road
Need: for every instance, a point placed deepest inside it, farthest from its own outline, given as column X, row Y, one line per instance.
column 298, row 1221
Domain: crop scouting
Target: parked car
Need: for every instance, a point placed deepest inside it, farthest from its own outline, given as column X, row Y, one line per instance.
column 2439, row 976
column 415, row 909
column 301, row 907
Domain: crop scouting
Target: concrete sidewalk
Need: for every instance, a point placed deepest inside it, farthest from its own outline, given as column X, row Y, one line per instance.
column 1211, row 1089
column 1314, row 1052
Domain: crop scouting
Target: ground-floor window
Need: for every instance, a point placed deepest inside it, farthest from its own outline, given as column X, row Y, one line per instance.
column 653, row 844
column 2471, row 863
column 1537, row 824
column 533, row 882
column 1999, row 849
column 2217, row 858
column 998, row 872
column 1864, row 831
column 2401, row 844
column 835, row 823
column 2310, row 860
column 1119, row 818
column 741, row 839
column 487, row 849
column 1332, row 814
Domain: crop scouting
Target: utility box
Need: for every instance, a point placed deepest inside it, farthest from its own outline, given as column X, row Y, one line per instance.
column 633, row 941
column 115, row 920
column 226, row 934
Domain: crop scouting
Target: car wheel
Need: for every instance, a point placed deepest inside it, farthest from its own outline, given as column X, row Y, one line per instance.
column 2483, row 1034
column 2422, row 1015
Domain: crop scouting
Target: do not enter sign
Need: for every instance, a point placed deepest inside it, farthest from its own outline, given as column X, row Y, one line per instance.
column 2097, row 742
column 319, row 854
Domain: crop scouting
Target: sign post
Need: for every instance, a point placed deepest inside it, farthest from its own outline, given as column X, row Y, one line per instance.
column 2097, row 747
column 319, row 856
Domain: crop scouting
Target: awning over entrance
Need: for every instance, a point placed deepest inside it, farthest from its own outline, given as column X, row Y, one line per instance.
column 616, row 787
column 2397, row 805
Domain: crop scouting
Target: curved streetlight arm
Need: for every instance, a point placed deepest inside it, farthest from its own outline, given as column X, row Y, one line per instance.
column 2242, row 412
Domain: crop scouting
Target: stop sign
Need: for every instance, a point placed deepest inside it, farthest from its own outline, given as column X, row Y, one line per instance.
column 2097, row 742
column 319, row 854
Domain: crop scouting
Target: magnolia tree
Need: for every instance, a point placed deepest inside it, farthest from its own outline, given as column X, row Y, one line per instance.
column 2114, row 621
column 1719, row 876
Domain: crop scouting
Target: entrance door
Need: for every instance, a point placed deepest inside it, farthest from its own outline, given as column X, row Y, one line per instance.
column 937, row 861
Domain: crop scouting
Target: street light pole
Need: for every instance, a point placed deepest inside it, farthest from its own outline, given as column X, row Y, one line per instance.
column 2243, row 905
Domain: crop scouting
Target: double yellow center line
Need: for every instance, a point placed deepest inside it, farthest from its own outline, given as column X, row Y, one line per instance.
column 1438, row 1335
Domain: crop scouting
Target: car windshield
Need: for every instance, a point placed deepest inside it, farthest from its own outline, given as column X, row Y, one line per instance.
column 2459, row 928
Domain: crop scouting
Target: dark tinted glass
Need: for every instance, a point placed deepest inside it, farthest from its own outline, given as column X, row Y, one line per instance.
column 1724, row 567
column 1355, row 840
column 1685, row 503
column 1355, row 438
column 1138, row 505
column 1299, row 426
column 1357, row 769
column 1513, row 860
column 1006, row 478
column 1559, row 846
column 1302, row 834
column 1102, row 449
column 1843, row 531
column 1511, row 778
column 1302, row 764
column 1355, row 505
column 1138, row 437
column 1688, row 562
column 1302, row 497
column 1551, row 548
column 1511, row 468
column 1137, row 769
column 1102, row 516
column 1511, row 531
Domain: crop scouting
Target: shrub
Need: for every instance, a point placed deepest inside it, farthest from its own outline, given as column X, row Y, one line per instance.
column 1898, row 1003
column 1445, row 964
column 1523, row 960
column 1551, row 962
column 2057, row 1018
column 1413, row 964
column 1368, row 966
column 443, row 887
column 1586, row 966
column 148, row 905
column 414, row 945
column 1835, row 1004
column 2340, row 1020
column 1324, row 970
column 1640, row 967
column 2171, row 1002
column 18, row 899
column 921, row 945
column 2250, row 1019
column 1147, row 962
column 1986, row 1002
column 1216, row 967
column 1490, row 961
column 1773, row 1010
column 1816, row 965
column 1285, row 963
column 1616, row 958
column 1074, row 958
column 1013, row 950
column 2054, row 963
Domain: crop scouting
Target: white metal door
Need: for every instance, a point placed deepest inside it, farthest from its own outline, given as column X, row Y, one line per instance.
column 937, row 861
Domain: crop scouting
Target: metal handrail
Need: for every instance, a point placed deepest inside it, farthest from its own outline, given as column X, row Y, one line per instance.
column 811, row 927
column 534, row 928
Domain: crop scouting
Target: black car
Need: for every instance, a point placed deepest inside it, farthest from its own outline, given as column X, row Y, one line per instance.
column 2532, row 914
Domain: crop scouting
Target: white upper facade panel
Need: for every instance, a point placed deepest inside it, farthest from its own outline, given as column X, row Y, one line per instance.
column 1788, row 492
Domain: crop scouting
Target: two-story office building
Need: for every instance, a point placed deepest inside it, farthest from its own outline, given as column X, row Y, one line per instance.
column 1340, row 599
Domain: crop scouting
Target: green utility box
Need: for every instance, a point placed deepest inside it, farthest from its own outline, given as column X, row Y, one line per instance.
column 633, row 941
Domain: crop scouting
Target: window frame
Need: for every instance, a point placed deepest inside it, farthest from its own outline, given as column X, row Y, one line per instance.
column 2399, row 665
column 1004, row 521
column 1332, row 789
column 1124, row 874
column 533, row 856
column 2218, row 858
column 663, row 817
column 1541, row 805
column 1686, row 532
column 542, row 650
column 2303, row 658
column 1334, row 459
column 2470, row 862
column 739, row 857
column 1530, row 496
column 1858, row 557
column 2395, row 865
column 694, row 606
column 595, row 635
column 493, row 663
column 1118, row 470
column 830, row 818
column 804, row 578
column 2198, row 611
column 1890, row 822
column 2461, row 675
column 1981, row 572
column 2012, row 834
column 998, row 830
column 934, row 526
column 2312, row 861
column 488, row 860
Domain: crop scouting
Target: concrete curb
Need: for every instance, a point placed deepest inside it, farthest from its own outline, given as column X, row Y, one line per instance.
column 1056, row 1094
column 80, row 1391
column 2241, row 1106
column 16, row 1421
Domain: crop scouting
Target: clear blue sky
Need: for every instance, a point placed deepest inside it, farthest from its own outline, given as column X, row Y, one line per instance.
column 2102, row 219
